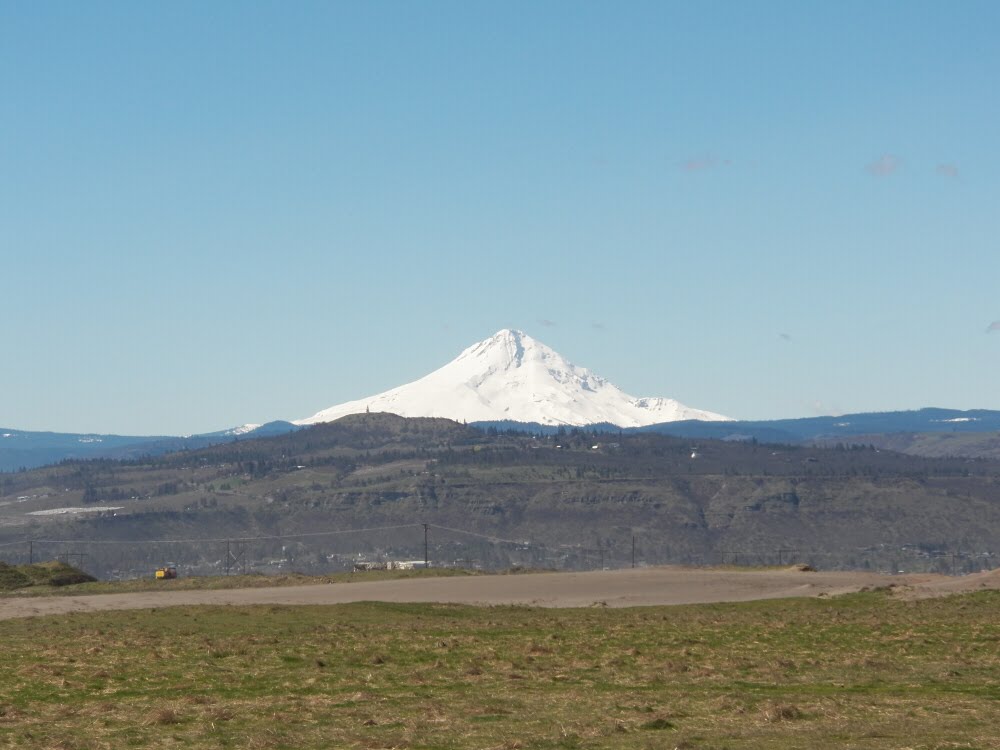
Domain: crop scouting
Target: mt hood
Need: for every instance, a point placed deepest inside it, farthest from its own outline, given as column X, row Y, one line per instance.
column 512, row 376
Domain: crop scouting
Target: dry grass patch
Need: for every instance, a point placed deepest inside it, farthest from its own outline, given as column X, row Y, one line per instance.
column 864, row 671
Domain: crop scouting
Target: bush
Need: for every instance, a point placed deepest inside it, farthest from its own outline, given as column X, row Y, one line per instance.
column 69, row 577
column 12, row 578
column 53, row 573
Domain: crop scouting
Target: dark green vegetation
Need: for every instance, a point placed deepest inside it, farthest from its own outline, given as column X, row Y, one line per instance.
column 50, row 576
column 864, row 671
column 569, row 500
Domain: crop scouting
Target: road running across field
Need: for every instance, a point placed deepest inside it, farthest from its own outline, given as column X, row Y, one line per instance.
column 611, row 588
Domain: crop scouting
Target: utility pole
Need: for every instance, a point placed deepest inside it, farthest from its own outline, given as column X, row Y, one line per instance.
column 426, row 559
column 236, row 550
column 79, row 558
column 633, row 550
column 31, row 552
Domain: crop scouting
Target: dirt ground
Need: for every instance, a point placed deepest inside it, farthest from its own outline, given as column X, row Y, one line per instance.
column 611, row 588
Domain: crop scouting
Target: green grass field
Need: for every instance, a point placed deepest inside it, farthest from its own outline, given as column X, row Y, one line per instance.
column 860, row 671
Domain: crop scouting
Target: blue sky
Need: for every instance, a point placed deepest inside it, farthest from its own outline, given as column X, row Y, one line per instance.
column 214, row 213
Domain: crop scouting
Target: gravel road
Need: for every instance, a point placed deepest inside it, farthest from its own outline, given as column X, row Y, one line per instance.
column 612, row 588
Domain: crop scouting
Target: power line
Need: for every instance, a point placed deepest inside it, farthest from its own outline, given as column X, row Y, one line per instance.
column 516, row 542
column 747, row 553
column 200, row 540
column 497, row 539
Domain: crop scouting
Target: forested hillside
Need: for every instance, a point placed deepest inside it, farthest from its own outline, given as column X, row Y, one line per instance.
column 569, row 500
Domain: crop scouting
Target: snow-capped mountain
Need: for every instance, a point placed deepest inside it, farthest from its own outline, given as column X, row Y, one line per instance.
column 514, row 377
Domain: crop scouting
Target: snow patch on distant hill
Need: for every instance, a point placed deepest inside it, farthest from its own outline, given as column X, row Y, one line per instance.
column 514, row 377
column 242, row 429
column 72, row 511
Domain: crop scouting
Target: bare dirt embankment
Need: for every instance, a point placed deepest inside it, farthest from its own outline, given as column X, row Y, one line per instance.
column 616, row 588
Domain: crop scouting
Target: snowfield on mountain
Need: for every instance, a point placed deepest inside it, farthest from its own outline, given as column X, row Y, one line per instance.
column 511, row 376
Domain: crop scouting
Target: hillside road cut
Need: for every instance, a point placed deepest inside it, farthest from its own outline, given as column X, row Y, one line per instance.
column 612, row 588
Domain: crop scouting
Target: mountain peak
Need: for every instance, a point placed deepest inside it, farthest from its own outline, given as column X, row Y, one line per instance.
column 511, row 376
column 508, row 333
column 505, row 348
column 509, row 337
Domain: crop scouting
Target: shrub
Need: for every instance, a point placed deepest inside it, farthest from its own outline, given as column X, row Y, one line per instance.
column 69, row 577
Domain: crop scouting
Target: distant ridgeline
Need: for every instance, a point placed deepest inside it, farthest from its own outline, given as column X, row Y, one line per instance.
column 20, row 449
column 793, row 430
column 927, row 432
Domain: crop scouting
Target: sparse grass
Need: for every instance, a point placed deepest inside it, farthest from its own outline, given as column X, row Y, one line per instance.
column 863, row 671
